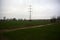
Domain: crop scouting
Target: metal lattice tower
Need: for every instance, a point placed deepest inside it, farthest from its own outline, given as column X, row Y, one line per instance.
column 30, row 11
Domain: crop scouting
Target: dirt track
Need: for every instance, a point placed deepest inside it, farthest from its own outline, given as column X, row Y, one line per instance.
column 8, row 30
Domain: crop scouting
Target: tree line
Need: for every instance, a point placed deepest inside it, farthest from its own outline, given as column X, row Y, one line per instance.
column 52, row 20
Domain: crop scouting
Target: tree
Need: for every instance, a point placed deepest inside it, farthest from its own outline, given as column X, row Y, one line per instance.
column 14, row 19
column 53, row 20
column 58, row 19
column 4, row 18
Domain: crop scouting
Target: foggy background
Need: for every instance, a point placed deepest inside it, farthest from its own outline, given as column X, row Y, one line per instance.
column 41, row 9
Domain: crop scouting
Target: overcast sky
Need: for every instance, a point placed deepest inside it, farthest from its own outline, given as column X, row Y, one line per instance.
column 41, row 9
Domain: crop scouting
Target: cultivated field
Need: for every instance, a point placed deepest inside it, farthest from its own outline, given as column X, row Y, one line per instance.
column 49, row 32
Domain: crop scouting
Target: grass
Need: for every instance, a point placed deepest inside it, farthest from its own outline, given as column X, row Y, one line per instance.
column 50, row 32
column 16, row 24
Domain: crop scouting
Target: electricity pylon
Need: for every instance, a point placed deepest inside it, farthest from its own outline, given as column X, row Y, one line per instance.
column 30, row 11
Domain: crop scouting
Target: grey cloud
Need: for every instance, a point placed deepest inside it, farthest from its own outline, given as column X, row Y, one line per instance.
column 20, row 8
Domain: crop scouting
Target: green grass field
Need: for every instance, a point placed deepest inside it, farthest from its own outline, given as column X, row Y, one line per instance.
column 17, row 24
column 50, row 32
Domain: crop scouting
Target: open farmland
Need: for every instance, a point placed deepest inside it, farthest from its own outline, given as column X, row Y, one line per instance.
column 21, row 23
column 49, row 32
